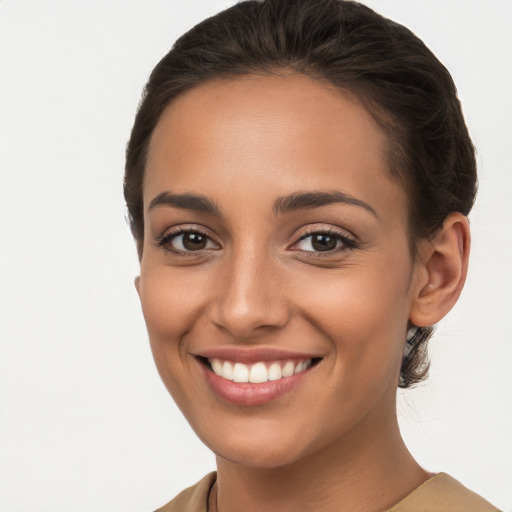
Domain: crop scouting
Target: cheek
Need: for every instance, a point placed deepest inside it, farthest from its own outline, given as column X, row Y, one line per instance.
column 172, row 303
column 363, row 311
column 170, row 300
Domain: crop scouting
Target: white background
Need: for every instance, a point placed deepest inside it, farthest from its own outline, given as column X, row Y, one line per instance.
column 85, row 424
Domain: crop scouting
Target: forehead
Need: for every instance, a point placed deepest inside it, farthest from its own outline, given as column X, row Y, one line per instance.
column 269, row 133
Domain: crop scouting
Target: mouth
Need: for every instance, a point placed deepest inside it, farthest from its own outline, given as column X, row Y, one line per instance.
column 258, row 372
column 250, row 380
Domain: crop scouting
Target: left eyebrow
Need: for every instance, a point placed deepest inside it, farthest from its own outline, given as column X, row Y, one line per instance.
column 308, row 200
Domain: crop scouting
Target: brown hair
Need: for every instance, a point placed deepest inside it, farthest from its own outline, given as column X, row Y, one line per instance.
column 396, row 77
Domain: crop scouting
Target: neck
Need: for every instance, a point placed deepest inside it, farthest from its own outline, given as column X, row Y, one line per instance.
column 367, row 471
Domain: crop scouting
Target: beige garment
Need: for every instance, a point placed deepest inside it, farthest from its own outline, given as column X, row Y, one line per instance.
column 441, row 493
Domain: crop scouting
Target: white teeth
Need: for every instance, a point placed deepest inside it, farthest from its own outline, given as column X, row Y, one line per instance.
column 274, row 372
column 288, row 369
column 303, row 365
column 227, row 370
column 240, row 373
column 258, row 372
column 217, row 366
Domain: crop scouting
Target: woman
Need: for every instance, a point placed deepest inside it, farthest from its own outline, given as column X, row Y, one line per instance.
column 298, row 181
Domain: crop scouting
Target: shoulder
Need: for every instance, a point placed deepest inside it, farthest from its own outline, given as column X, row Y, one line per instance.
column 192, row 499
column 442, row 493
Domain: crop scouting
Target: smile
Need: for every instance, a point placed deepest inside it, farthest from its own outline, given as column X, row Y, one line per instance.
column 256, row 377
column 258, row 372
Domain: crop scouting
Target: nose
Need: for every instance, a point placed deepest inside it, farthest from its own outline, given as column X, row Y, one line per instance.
column 249, row 299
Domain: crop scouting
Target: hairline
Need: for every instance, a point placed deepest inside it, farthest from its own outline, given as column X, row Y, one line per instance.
column 384, row 121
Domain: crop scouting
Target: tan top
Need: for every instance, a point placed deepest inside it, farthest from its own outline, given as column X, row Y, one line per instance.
column 441, row 493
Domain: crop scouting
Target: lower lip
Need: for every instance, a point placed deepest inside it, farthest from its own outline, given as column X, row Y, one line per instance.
column 246, row 393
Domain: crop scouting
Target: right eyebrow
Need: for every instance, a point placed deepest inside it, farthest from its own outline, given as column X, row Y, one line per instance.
column 185, row 201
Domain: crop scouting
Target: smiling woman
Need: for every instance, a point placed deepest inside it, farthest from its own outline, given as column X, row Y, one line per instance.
column 298, row 180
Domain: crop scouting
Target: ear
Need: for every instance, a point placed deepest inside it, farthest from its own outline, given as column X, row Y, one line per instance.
column 441, row 271
column 137, row 284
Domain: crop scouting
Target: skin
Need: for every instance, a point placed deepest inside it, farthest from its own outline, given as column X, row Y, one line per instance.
column 333, row 442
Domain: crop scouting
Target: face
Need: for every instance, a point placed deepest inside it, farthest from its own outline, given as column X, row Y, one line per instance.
column 276, row 251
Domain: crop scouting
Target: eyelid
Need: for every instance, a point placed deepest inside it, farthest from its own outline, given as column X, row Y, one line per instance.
column 348, row 240
column 163, row 240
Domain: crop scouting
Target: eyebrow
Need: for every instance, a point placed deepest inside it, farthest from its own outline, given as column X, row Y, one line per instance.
column 282, row 205
column 186, row 201
column 307, row 200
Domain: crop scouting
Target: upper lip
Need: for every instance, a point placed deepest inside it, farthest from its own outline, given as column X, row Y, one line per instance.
column 254, row 355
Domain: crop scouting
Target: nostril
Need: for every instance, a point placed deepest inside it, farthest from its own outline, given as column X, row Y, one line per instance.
column 247, row 298
column 242, row 319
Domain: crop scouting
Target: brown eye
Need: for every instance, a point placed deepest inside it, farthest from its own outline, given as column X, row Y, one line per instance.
column 194, row 241
column 322, row 242
column 186, row 242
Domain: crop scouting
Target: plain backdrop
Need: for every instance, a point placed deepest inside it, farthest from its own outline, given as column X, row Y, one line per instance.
column 85, row 423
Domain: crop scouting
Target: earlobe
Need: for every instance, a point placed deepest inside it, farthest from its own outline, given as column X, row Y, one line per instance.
column 137, row 284
column 444, row 265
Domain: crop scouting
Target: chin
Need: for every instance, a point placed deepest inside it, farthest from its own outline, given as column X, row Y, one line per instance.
column 260, row 456
column 266, row 448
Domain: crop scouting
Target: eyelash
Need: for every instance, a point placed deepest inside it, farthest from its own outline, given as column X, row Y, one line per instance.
column 348, row 243
column 164, row 241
